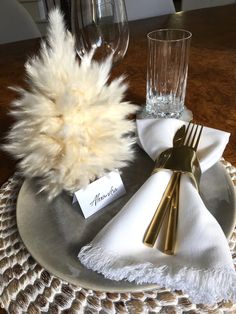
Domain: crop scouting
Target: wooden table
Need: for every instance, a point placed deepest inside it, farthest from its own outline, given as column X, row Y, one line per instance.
column 211, row 89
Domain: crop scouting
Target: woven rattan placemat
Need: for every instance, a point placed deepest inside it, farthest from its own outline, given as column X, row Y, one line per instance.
column 26, row 287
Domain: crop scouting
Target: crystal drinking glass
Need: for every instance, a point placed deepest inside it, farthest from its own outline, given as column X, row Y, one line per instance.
column 101, row 25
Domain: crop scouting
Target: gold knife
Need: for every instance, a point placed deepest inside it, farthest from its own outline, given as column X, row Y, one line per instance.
column 155, row 225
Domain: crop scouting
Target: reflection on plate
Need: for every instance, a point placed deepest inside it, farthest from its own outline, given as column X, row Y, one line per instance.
column 54, row 233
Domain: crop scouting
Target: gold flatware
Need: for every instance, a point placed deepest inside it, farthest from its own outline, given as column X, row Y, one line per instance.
column 154, row 227
column 187, row 144
column 171, row 230
column 172, row 221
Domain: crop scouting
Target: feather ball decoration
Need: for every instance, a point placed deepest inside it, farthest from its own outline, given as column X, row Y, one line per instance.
column 71, row 125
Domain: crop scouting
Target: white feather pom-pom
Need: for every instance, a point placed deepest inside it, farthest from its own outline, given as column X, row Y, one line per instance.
column 71, row 124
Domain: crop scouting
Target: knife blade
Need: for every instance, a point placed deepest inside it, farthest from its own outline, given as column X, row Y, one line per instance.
column 178, row 139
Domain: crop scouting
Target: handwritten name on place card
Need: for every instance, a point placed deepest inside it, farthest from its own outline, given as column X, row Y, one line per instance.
column 100, row 193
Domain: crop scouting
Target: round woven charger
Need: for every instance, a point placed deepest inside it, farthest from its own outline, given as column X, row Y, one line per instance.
column 26, row 287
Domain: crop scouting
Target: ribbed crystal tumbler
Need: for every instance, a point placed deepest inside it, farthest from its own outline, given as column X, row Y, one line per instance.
column 167, row 69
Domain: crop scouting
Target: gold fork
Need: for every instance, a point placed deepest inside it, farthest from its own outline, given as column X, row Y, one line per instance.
column 191, row 140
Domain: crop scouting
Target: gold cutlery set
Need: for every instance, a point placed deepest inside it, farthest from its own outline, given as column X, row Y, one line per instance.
column 181, row 158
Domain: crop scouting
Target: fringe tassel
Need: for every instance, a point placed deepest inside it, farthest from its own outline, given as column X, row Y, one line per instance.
column 202, row 286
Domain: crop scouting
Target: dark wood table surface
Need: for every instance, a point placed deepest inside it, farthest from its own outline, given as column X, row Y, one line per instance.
column 211, row 88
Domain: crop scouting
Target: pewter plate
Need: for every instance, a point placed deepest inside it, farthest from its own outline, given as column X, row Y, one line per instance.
column 54, row 233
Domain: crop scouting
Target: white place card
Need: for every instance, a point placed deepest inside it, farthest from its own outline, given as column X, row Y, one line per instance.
column 100, row 193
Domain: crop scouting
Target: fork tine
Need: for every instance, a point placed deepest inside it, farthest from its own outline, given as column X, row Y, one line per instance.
column 194, row 136
column 187, row 129
column 188, row 136
column 198, row 139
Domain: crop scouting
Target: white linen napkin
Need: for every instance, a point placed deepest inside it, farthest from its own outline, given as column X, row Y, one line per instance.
column 202, row 266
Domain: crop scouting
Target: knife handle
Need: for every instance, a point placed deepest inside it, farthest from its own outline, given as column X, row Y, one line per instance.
column 154, row 227
column 172, row 221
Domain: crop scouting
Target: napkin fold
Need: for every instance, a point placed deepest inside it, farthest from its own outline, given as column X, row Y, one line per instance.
column 202, row 266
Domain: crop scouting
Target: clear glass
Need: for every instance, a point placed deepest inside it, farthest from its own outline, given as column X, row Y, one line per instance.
column 167, row 69
column 100, row 25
